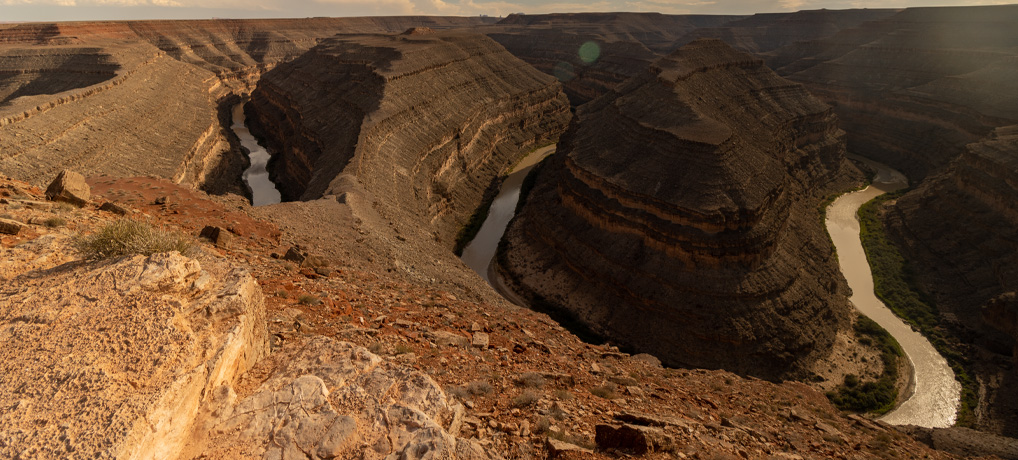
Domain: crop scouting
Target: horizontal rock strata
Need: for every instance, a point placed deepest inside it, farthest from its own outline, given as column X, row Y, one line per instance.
column 763, row 32
column 961, row 228
column 679, row 218
column 424, row 121
column 913, row 89
column 131, row 98
column 591, row 53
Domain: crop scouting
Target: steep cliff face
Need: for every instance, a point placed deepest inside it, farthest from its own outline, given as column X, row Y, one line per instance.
column 591, row 53
column 423, row 121
column 679, row 217
column 912, row 90
column 961, row 227
column 146, row 97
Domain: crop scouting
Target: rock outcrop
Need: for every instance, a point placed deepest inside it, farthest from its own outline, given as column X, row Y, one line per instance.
column 423, row 122
column 331, row 399
column 116, row 359
column 679, row 218
column 961, row 226
column 913, row 89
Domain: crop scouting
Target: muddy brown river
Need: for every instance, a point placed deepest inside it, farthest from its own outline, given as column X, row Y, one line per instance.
column 934, row 400
column 481, row 250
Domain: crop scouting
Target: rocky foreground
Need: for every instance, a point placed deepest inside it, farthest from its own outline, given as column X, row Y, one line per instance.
column 680, row 213
column 232, row 353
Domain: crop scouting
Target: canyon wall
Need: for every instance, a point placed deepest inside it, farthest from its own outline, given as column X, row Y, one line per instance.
column 424, row 121
column 130, row 98
column 591, row 53
column 679, row 218
column 764, row 32
column 961, row 227
column 913, row 89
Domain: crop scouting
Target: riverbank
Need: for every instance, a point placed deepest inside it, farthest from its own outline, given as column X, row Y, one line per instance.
column 935, row 399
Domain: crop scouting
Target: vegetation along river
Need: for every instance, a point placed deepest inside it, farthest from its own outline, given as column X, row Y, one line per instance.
column 934, row 401
column 263, row 191
column 936, row 393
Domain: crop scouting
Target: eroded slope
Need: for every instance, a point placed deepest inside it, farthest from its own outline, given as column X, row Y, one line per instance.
column 679, row 217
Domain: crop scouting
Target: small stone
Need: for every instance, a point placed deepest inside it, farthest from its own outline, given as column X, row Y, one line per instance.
column 556, row 448
column 161, row 200
column 114, row 208
column 480, row 340
column 294, row 255
column 217, row 235
column 595, row 369
column 69, row 187
column 475, row 327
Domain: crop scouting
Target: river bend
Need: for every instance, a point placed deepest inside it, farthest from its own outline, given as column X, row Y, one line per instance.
column 934, row 401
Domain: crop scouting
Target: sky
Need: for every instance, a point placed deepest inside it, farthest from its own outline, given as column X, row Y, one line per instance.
column 76, row 10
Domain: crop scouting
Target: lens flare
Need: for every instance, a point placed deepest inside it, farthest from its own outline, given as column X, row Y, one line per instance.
column 589, row 52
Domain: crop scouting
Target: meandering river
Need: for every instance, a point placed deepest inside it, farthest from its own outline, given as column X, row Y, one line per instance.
column 481, row 250
column 263, row 191
column 934, row 401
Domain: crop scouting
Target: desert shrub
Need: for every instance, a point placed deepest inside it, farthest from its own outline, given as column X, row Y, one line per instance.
column 125, row 237
column 531, row 380
column 54, row 222
column 563, row 395
column 525, row 399
column 402, row 349
column 376, row 348
column 459, row 392
column 308, row 299
column 604, row 391
column 479, row 387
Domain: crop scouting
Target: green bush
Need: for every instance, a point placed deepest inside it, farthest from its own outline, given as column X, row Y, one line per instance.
column 125, row 237
column 873, row 396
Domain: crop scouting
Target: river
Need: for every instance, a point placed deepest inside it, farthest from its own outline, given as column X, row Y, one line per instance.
column 263, row 191
column 934, row 401
column 481, row 250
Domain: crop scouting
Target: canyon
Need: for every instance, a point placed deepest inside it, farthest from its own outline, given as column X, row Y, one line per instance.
column 680, row 216
column 679, row 207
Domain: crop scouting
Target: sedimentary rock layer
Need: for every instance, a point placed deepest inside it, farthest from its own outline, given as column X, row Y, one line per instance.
column 961, row 228
column 591, row 53
column 764, row 32
column 424, row 121
column 913, row 89
column 679, row 217
column 145, row 97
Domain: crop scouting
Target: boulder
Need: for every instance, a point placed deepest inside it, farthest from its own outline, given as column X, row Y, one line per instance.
column 121, row 358
column 10, row 227
column 219, row 236
column 633, row 438
column 69, row 187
